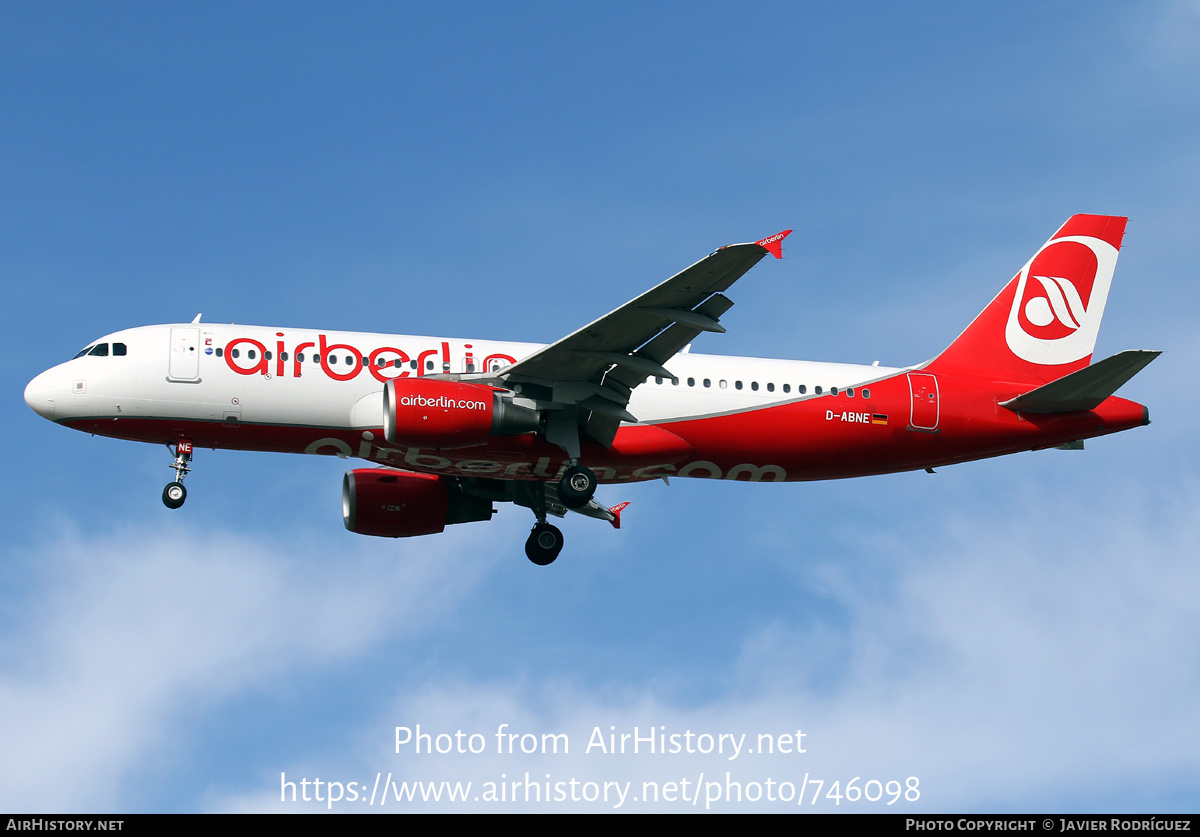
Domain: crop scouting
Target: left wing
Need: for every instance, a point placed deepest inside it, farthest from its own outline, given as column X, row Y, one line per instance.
column 588, row 376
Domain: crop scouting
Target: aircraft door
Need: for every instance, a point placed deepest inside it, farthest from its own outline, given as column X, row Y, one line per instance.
column 923, row 389
column 185, row 355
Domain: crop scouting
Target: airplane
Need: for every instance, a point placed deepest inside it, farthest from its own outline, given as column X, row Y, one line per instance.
column 450, row 426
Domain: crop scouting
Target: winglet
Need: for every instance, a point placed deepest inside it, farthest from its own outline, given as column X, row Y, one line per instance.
column 616, row 512
column 774, row 244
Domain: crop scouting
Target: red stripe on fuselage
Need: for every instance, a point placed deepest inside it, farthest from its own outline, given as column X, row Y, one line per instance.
column 823, row 437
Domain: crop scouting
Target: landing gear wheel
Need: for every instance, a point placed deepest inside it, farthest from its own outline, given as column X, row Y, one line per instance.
column 544, row 544
column 577, row 487
column 174, row 495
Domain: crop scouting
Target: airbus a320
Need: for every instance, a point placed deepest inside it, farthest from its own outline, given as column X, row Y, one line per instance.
column 448, row 427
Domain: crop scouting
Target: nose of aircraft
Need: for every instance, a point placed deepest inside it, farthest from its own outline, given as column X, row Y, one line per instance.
column 40, row 394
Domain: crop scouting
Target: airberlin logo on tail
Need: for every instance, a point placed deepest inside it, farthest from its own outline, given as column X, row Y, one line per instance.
column 1060, row 299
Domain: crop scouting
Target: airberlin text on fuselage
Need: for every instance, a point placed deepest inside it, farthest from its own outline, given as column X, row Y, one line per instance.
column 396, row 362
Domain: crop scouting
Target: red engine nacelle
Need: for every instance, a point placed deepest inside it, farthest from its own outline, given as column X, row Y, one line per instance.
column 397, row 504
column 424, row 412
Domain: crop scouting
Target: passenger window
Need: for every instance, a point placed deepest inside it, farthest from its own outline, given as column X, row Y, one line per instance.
column 250, row 353
column 817, row 389
column 691, row 382
column 866, row 393
column 300, row 358
column 674, row 382
column 849, row 392
column 707, row 382
column 754, row 385
column 787, row 387
column 233, row 353
column 119, row 349
column 220, row 352
column 413, row 364
column 658, row 380
column 283, row 356
column 802, row 389
column 723, row 383
column 266, row 355
column 737, row 384
column 101, row 350
column 770, row 387
column 429, row 366
column 833, row 390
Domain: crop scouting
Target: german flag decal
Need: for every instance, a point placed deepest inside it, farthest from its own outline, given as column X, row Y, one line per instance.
column 878, row 418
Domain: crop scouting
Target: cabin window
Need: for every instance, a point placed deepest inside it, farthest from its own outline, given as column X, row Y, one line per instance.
column 220, row 352
column 802, row 389
column 849, row 392
column 866, row 393
column 429, row 366
column 100, row 350
column 833, row 390
column 707, row 382
column 413, row 364
column 658, row 380
column 233, row 353
column 250, row 354
column 366, row 361
column 737, row 384
column 787, row 387
column 817, row 389
column 754, row 385
column 266, row 355
column 283, row 356
column 770, row 387
column 691, row 382
column 723, row 384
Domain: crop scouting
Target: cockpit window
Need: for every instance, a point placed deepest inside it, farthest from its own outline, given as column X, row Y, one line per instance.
column 82, row 352
column 101, row 350
column 119, row 349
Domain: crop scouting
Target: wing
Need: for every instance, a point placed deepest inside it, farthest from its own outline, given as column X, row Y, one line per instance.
column 588, row 376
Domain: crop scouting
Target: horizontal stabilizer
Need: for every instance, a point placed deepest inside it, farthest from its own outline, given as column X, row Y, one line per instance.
column 1085, row 389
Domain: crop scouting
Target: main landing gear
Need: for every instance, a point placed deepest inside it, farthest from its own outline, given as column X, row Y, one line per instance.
column 174, row 494
column 577, row 486
column 575, row 490
column 544, row 544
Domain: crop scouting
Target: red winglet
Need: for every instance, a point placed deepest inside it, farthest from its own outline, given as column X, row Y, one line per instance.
column 616, row 510
column 774, row 244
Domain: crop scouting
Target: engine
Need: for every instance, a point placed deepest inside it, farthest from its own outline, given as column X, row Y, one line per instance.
column 429, row 413
column 398, row 504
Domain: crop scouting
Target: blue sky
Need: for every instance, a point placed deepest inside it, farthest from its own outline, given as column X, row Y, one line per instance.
column 1020, row 634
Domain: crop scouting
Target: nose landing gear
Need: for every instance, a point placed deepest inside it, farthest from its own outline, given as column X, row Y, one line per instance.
column 174, row 494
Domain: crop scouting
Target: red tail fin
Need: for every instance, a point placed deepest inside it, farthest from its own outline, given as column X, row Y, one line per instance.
column 1043, row 325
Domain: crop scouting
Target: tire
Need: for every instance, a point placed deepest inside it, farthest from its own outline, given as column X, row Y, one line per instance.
column 544, row 544
column 577, row 487
column 174, row 495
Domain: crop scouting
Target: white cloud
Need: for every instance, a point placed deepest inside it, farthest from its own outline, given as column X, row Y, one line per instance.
column 1039, row 657
column 127, row 633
